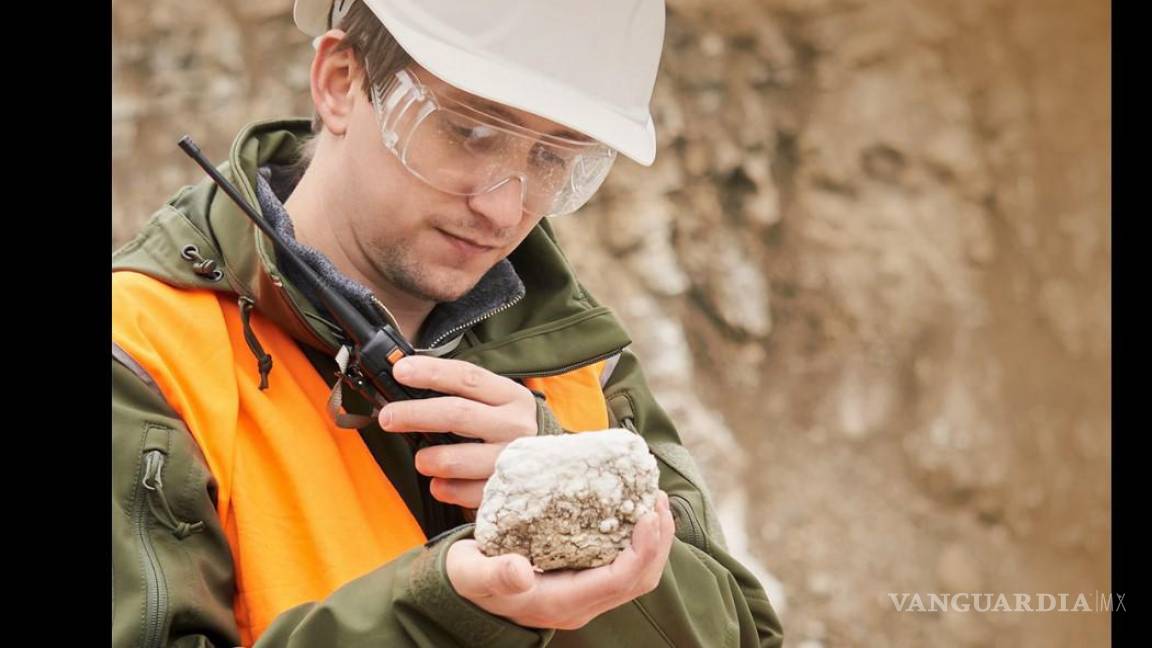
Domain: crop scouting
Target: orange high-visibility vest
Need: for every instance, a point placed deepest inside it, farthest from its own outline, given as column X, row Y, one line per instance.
column 304, row 505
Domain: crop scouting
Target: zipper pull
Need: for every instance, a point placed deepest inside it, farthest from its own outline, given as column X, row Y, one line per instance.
column 153, row 465
column 153, row 482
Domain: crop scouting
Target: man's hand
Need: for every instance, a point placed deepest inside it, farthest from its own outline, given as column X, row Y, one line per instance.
column 566, row 600
column 479, row 405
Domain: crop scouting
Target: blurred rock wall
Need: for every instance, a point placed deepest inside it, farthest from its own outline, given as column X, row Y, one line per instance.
column 868, row 274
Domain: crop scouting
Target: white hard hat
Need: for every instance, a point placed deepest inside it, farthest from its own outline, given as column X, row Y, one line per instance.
column 589, row 65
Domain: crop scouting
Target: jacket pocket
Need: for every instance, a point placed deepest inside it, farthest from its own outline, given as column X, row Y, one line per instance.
column 620, row 412
column 153, row 483
column 151, row 507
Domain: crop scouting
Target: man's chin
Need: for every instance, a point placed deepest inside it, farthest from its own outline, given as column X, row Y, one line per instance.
column 443, row 293
column 437, row 283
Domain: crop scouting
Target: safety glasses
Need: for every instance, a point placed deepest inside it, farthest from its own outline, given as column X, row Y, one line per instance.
column 466, row 151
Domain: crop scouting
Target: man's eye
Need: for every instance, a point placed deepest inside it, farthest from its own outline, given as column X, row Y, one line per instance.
column 545, row 157
column 475, row 135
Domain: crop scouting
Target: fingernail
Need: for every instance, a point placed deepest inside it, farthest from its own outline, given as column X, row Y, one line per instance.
column 385, row 417
column 402, row 369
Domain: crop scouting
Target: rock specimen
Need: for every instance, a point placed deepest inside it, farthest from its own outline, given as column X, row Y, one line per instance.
column 567, row 501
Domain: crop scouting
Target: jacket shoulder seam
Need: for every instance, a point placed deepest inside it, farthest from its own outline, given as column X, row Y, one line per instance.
column 122, row 356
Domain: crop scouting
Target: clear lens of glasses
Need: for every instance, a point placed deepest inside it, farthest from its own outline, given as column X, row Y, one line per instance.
column 464, row 151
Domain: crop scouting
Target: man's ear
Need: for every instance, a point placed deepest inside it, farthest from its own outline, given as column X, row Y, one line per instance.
column 334, row 81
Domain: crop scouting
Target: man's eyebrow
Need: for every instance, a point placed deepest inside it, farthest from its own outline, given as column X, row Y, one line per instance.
column 492, row 106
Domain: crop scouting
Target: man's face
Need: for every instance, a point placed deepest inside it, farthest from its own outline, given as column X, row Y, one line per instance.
column 432, row 245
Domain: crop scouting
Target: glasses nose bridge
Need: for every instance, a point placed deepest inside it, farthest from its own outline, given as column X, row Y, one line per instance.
column 499, row 185
column 502, row 204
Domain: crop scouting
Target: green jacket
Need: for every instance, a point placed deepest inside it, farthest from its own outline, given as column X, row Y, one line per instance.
column 172, row 570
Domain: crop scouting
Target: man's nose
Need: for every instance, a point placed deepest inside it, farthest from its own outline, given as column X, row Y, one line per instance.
column 502, row 205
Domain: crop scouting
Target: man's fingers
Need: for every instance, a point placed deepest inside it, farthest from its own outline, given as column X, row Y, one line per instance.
column 644, row 553
column 459, row 460
column 467, row 418
column 456, row 377
column 650, row 537
column 475, row 575
column 566, row 599
column 638, row 569
column 654, row 570
column 646, row 538
column 440, row 414
column 593, row 591
column 462, row 492
column 667, row 524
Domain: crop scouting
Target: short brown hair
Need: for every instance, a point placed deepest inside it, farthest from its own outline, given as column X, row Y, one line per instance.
column 374, row 49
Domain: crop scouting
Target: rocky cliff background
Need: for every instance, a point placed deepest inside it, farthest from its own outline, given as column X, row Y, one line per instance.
column 869, row 273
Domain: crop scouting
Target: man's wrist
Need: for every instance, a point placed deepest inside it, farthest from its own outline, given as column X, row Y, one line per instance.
column 546, row 422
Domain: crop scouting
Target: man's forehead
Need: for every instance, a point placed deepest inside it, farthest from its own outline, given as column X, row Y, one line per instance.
column 514, row 115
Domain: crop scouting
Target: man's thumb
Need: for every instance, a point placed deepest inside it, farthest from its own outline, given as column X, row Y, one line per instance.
column 509, row 574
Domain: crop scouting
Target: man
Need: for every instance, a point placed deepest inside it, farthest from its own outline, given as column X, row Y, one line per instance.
column 256, row 501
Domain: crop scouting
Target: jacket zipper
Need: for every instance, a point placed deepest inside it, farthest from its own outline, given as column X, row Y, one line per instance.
column 474, row 321
column 156, row 593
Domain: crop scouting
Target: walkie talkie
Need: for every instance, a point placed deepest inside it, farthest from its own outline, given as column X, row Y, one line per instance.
column 374, row 349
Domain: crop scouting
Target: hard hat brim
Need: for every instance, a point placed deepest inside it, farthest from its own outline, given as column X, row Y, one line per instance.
column 311, row 17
